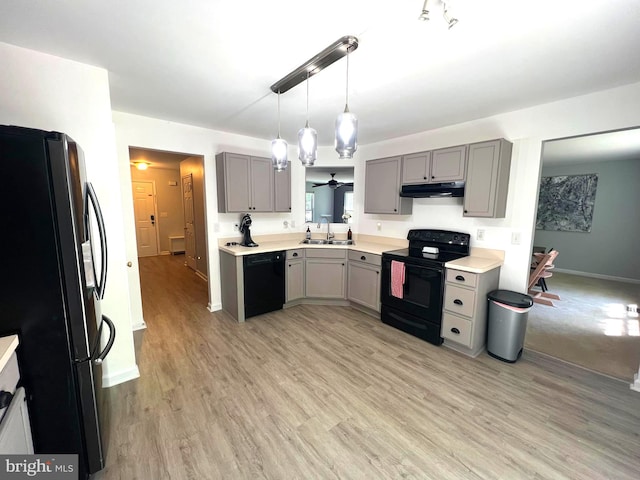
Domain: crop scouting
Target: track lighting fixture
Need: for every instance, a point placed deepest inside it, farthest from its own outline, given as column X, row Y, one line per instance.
column 448, row 18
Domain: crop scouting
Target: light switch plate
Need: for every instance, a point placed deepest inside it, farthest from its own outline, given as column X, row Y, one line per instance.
column 480, row 234
column 515, row 238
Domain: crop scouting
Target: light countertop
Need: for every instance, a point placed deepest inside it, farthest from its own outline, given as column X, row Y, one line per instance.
column 273, row 246
column 475, row 264
column 8, row 345
column 480, row 261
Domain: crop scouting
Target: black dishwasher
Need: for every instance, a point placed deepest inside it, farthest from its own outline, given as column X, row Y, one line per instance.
column 263, row 283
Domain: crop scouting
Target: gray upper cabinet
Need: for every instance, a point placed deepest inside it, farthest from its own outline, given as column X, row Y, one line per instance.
column 261, row 185
column 448, row 164
column 382, row 187
column 487, row 179
column 442, row 165
column 245, row 183
column 283, row 190
column 416, row 168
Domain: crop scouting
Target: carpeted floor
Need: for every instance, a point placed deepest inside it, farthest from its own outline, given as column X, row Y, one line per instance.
column 590, row 325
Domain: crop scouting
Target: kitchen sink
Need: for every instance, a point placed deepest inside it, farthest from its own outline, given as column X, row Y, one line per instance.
column 322, row 241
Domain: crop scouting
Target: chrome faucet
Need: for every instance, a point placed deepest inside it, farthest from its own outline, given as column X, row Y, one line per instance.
column 328, row 219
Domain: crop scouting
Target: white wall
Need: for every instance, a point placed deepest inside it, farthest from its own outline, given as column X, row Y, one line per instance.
column 51, row 93
column 609, row 250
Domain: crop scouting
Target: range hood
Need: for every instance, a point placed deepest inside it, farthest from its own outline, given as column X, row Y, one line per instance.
column 429, row 190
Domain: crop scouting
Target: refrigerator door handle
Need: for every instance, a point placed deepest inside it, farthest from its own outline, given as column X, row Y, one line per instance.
column 112, row 336
column 92, row 197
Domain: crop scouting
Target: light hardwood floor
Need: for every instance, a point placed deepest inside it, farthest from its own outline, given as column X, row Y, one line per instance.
column 318, row 392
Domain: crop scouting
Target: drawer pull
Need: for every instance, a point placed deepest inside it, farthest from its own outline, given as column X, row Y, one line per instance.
column 457, row 301
column 363, row 257
column 455, row 330
column 460, row 278
column 295, row 254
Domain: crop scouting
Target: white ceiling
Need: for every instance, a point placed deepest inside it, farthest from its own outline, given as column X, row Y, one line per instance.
column 210, row 62
column 600, row 147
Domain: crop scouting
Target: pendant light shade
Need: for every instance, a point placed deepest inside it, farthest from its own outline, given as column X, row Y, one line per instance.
column 279, row 148
column 307, row 140
column 346, row 142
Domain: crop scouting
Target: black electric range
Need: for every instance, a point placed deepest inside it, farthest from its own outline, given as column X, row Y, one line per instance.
column 413, row 302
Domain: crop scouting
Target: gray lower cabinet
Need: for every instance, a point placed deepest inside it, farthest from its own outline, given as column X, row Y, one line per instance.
column 464, row 316
column 383, row 178
column 363, row 279
column 245, row 183
column 325, row 273
column 294, row 272
column 487, row 180
column 282, row 192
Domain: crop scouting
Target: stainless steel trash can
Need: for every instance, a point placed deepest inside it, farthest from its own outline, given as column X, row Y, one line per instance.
column 507, row 324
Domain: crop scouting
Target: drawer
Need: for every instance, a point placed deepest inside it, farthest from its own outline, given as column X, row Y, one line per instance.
column 456, row 329
column 297, row 253
column 462, row 278
column 459, row 300
column 369, row 258
column 326, row 253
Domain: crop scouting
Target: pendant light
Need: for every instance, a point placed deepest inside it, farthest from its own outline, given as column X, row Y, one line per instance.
column 279, row 148
column 346, row 127
column 307, row 140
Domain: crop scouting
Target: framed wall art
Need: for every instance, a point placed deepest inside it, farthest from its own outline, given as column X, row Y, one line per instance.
column 566, row 202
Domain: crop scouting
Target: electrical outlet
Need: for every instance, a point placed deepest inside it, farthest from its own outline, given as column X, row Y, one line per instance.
column 379, row 226
column 293, row 224
column 515, row 238
column 236, row 227
column 480, row 234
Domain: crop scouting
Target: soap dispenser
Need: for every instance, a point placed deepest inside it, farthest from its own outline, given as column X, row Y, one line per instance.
column 349, row 234
column 308, row 233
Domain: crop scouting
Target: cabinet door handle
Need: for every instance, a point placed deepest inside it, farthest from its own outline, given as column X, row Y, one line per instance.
column 457, row 301
column 455, row 330
column 460, row 278
column 289, row 265
column 363, row 257
column 395, row 209
column 295, row 254
column 343, row 264
column 432, row 176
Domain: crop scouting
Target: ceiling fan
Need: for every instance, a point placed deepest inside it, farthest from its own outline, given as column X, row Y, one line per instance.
column 333, row 183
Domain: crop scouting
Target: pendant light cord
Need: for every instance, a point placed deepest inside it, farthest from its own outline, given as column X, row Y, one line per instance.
column 307, row 99
column 347, row 93
column 278, row 114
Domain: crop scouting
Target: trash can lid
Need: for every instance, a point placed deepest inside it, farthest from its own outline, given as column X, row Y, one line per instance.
column 513, row 299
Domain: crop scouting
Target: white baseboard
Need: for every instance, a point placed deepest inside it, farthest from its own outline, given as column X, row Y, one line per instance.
column 165, row 252
column 636, row 382
column 214, row 308
column 120, row 377
column 139, row 326
column 597, row 275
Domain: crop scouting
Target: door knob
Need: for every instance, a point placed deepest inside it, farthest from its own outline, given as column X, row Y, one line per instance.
column 153, row 219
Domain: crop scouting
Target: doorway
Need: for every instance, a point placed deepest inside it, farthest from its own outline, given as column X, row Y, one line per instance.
column 595, row 322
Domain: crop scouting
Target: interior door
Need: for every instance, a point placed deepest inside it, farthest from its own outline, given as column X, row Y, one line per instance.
column 189, row 225
column 144, row 206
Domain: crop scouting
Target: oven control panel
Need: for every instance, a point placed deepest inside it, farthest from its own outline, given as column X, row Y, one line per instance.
column 442, row 237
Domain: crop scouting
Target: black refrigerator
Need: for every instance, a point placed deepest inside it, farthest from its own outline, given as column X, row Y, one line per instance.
column 53, row 275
